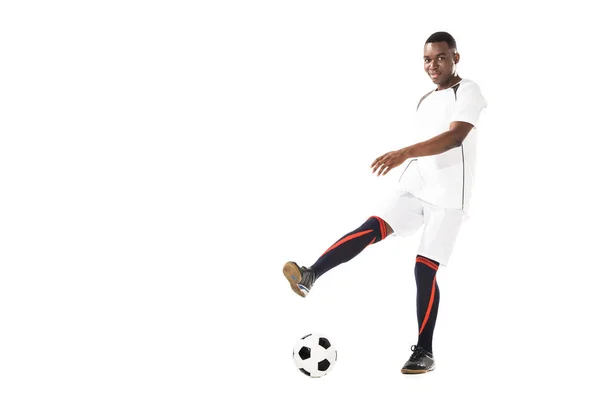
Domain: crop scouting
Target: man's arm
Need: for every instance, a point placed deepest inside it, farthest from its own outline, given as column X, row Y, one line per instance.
column 441, row 143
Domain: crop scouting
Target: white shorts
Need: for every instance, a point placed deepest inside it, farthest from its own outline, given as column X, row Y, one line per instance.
column 406, row 213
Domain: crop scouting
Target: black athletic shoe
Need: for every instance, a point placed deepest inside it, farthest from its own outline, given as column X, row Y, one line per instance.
column 420, row 362
column 301, row 278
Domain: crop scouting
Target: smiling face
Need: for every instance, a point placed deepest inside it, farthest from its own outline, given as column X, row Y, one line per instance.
column 440, row 64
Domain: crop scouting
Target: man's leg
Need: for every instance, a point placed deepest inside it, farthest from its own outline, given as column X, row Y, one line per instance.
column 428, row 300
column 350, row 245
column 437, row 241
column 346, row 248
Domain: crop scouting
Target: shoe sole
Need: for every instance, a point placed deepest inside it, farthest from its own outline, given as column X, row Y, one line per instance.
column 415, row 371
column 291, row 271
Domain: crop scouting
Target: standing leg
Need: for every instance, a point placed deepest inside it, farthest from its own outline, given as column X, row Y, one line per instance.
column 428, row 300
column 438, row 239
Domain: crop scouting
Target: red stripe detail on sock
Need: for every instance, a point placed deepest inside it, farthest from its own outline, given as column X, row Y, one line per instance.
column 347, row 238
column 429, row 306
column 427, row 262
column 382, row 227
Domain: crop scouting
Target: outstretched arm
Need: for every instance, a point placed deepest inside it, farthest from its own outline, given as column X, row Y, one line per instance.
column 441, row 143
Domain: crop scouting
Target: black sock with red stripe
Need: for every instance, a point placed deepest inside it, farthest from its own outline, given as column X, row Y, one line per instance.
column 350, row 245
column 428, row 300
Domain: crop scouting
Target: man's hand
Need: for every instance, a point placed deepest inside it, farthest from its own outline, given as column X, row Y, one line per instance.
column 441, row 143
column 388, row 161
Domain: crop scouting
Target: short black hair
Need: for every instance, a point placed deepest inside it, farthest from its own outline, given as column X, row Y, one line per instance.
column 442, row 37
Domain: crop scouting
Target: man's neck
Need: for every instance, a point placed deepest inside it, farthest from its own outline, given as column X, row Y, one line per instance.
column 455, row 79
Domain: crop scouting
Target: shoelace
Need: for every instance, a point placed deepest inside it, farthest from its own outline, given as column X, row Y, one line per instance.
column 307, row 277
column 417, row 353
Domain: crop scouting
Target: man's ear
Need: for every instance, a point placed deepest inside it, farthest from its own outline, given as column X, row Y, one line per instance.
column 456, row 58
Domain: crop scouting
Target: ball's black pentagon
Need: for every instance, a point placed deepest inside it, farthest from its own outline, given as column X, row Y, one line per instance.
column 324, row 365
column 304, row 353
column 323, row 342
column 304, row 337
column 305, row 372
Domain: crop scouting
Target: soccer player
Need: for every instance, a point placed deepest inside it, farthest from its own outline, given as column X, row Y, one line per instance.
column 433, row 191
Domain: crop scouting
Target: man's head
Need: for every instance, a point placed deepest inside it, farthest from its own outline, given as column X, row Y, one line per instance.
column 440, row 58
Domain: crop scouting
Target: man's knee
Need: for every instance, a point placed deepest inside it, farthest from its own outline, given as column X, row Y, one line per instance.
column 378, row 225
column 388, row 228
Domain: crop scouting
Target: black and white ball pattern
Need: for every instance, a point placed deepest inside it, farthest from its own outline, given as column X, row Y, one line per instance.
column 314, row 355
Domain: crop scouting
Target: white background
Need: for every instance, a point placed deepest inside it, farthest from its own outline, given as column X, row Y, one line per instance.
column 161, row 161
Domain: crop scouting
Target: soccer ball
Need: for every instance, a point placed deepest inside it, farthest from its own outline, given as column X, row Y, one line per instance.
column 314, row 355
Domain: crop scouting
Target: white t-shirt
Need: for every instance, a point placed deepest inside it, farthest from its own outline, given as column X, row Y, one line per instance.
column 445, row 179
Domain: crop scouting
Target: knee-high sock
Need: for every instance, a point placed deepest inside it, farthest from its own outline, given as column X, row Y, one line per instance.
column 350, row 245
column 428, row 299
